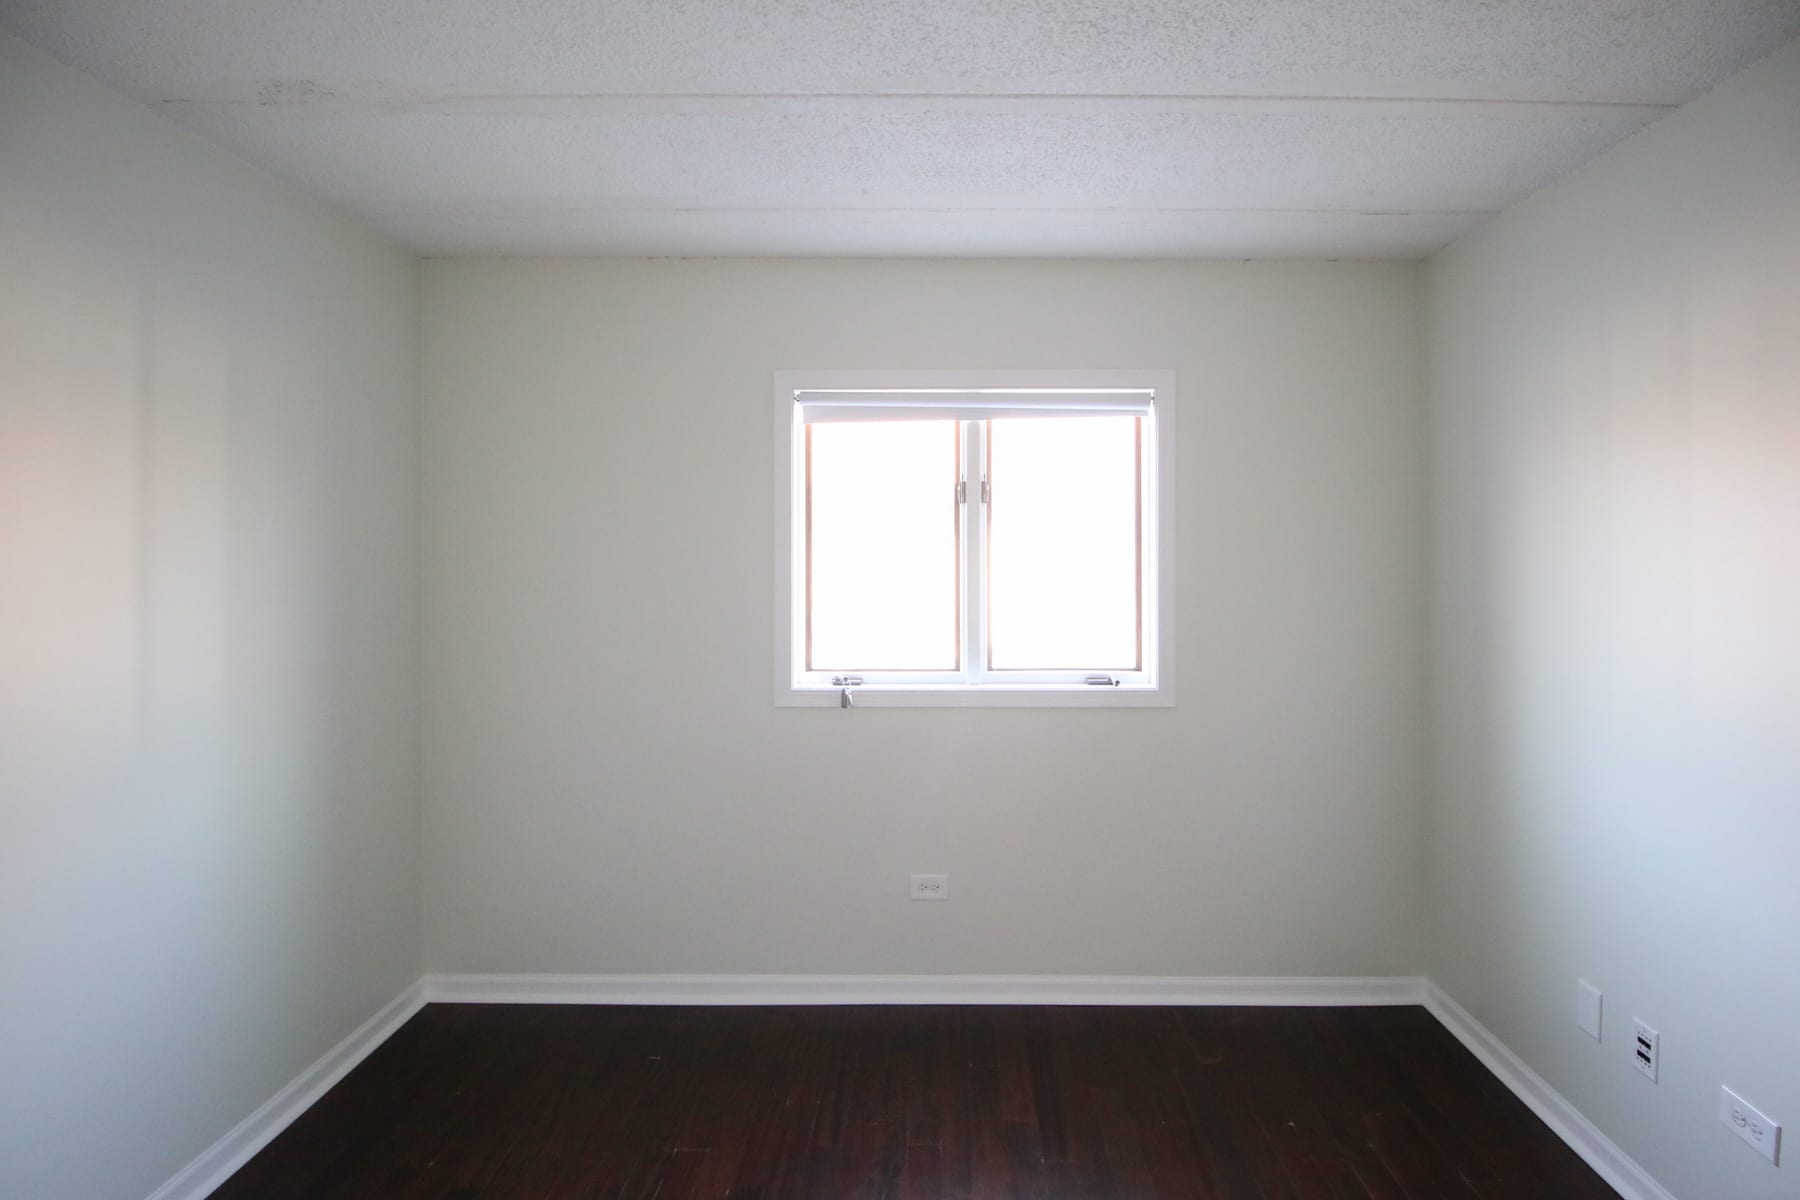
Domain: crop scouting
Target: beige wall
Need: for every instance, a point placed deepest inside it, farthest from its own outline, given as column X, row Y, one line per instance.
column 1616, row 450
column 610, row 787
column 208, row 636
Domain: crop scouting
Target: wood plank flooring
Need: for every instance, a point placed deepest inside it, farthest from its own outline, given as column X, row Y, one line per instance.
column 470, row 1102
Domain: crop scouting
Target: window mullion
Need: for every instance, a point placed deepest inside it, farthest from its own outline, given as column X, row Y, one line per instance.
column 975, row 532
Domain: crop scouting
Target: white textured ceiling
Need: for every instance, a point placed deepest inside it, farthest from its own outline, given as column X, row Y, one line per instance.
column 1241, row 128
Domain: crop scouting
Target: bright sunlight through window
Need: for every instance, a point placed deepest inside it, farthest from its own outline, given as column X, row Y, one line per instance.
column 974, row 538
column 1064, row 523
column 881, row 546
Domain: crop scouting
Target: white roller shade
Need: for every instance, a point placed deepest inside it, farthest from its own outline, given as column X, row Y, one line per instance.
column 969, row 404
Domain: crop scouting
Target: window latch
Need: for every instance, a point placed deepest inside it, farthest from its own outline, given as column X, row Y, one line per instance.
column 844, row 683
column 962, row 491
column 1101, row 681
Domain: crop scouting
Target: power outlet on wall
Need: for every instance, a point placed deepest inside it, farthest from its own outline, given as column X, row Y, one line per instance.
column 1738, row 1116
column 930, row 887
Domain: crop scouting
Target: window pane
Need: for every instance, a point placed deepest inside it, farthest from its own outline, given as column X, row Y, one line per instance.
column 882, row 559
column 1063, row 527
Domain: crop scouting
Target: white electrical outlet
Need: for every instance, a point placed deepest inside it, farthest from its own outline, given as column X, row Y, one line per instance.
column 1646, row 1049
column 930, row 887
column 1739, row 1117
column 1587, row 1008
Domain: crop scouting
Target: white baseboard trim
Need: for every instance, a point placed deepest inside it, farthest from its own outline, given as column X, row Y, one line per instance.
column 922, row 989
column 1564, row 1119
column 216, row 1164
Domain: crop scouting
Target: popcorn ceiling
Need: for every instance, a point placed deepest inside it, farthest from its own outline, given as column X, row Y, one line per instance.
column 1253, row 128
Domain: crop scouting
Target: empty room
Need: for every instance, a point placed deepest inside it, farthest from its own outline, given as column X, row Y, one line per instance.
column 772, row 600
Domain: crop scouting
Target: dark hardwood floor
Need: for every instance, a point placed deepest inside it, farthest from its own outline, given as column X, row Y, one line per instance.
column 546, row 1102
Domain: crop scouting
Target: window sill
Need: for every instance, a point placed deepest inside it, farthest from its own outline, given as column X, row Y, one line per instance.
column 986, row 696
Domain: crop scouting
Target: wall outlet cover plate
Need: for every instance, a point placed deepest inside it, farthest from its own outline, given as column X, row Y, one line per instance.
column 1646, row 1049
column 930, row 887
column 1587, row 1008
column 1743, row 1119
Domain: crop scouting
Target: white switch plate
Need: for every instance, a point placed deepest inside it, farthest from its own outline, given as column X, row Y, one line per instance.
column 930, row 887
column 1587, row 1009
column 1646, row 1049
column 1738, row 1116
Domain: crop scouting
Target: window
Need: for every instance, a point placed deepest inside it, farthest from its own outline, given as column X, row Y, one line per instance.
column 974, row 537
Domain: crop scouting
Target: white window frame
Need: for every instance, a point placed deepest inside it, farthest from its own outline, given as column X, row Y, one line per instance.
column 1154, row 687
